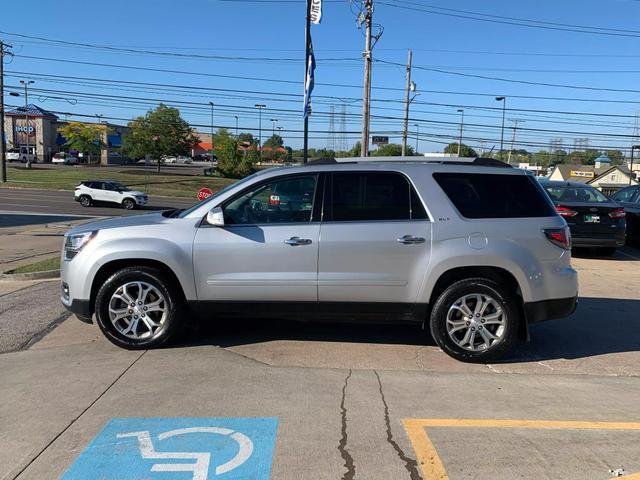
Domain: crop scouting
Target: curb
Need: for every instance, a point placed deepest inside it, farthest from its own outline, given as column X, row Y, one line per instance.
column 30, row 276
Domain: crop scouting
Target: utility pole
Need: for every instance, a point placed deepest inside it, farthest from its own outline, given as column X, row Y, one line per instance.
column 26, row 84
column 513, row 137
column 3, row 140
column 406, row 106
column 211, row 105
column 260, row 106
column 504, row 107
column 460, row 110
column 366, row 98
column 236, row 125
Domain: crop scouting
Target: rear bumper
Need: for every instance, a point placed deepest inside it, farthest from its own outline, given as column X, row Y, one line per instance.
column 550, row 309
column 613, row 241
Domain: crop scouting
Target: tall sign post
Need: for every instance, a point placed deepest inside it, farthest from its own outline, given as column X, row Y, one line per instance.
column 314, row 15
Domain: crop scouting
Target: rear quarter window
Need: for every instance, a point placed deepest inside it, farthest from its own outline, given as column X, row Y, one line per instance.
column 483, row 195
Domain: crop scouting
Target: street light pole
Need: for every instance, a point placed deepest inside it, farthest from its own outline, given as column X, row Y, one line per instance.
column 504, row 107
column 26, row 84
column 236, row 125
column 417, row 125
column 260, row 106
column 273, row 129
column 460, row 110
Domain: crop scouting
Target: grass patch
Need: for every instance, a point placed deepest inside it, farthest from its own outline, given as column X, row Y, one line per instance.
column 67, row 178
column 41, row 266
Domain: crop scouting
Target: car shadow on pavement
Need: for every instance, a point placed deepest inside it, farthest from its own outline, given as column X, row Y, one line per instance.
column 626, row 253
column 246, row 332
column 599, row 326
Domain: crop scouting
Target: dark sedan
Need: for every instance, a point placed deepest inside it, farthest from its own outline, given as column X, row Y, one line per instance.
column 629, row 198
column 594, row 220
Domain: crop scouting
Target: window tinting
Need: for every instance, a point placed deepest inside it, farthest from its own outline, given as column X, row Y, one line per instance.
column 280, row 201
column 481, row 195
column 575, row 194
column 625, row 195
column 373, row 196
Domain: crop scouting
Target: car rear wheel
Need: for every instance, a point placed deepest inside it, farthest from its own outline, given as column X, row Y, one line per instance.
column 128, row 204
column 475, row 320
column 85, row 200
column 136, row 309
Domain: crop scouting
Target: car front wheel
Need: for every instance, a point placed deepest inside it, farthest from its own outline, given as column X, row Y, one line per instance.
column 136, row 309
column 475, row 320
column 128, row 204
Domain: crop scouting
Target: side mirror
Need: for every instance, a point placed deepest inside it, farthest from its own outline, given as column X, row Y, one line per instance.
column 215, row 217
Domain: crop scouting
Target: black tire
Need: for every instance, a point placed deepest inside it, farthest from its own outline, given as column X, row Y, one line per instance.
column 128, row 204
column 167, row 329
column 85, row 200
column 483, row 286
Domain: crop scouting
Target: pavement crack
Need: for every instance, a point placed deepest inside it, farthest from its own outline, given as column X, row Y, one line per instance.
column 342, row 445
column 409, row 463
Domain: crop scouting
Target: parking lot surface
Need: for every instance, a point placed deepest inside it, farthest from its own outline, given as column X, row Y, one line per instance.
column 324, row 401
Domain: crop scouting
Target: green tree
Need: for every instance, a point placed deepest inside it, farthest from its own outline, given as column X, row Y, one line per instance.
column 355, row 151
column 271, row 148
column 616, row 156
column 391, row 150
column 465, row 150
column 84, row 137
column 232, row 162
column 160, row 132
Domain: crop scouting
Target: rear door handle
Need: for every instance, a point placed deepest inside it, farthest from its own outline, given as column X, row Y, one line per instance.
column 410, row 240
column 295, row 241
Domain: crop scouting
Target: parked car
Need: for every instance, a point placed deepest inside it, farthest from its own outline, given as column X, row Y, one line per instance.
column 595, row 220
column 205, row 157
column 472, row 250
column 629, row 198
column 64, row 158
column 179, row 159
column 93, row 192
column 20, row 154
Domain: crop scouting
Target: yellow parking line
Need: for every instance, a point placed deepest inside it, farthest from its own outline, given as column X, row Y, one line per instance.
column 432, row 466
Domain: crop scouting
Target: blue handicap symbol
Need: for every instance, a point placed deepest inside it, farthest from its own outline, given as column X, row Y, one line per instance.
column 179, row 449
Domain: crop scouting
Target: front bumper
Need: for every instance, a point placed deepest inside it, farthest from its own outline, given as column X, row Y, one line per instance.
column 141, row 200
column 550, row 309
column 80, row 308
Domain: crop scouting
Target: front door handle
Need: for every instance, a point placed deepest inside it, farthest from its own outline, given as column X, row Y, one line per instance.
column 410, row 240
column 295, row 241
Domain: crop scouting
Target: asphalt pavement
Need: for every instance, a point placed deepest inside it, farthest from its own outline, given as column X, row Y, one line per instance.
column 16, row 202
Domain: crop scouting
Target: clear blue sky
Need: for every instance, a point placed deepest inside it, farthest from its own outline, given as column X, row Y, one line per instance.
column 270, row 39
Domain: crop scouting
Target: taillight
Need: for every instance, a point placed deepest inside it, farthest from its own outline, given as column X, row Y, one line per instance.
column 617, row 213
column 565, row 211
column 559, row 237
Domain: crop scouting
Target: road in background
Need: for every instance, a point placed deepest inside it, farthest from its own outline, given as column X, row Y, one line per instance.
column 62, row 203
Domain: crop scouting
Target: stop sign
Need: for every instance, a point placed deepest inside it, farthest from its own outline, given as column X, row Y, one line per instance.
column 204, row 193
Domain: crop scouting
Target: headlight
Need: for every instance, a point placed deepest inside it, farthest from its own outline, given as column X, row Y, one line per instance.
column 76, row 242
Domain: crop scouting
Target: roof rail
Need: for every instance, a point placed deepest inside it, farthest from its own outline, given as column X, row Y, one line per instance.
column 480, row 161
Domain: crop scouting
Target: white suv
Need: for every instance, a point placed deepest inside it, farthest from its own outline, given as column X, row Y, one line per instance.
column 472, row 250
column 94, row 192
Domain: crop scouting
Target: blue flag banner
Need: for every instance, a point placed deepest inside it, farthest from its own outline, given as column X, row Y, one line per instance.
column 309, row 81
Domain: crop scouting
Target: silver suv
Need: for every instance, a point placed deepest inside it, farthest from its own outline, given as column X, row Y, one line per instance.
column 469, row 248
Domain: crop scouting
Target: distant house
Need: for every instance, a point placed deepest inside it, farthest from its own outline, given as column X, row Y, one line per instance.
column 603, row 176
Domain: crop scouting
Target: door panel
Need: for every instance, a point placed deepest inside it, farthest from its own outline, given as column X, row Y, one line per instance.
column 365, row 262
column 253, row 263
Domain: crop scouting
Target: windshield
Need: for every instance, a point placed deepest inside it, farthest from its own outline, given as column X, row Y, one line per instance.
column 576, row 194
column 186, row 212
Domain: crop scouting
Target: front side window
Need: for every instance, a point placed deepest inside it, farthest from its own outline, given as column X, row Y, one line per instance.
column 288, row 200
column 373, row 196
column 625, row 195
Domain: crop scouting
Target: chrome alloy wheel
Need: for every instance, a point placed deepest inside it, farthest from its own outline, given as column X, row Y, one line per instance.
column 138, row 310
column 476, row 322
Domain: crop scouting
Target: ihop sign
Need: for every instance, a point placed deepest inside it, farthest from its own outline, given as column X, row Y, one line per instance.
column 29, row 129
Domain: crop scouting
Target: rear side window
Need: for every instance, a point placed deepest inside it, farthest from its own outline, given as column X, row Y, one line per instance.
column 481, row 195
column 576, row 195
column 374, row 196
